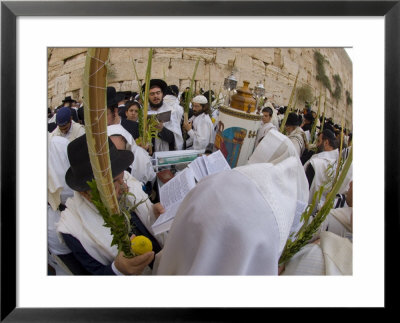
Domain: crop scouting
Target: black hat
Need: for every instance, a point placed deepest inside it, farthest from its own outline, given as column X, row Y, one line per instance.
column 68, row 99
column 172, row 90
column 81, row 172
column 328, row 126
column 156, row 82
column 112, row 98
column 120, row 96
column 308, row 116
column 207, row 95
column 293, row 119
column 327, row 133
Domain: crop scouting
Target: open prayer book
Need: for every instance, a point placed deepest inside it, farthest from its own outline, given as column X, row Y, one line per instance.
column 174, row 191
column 162, row 116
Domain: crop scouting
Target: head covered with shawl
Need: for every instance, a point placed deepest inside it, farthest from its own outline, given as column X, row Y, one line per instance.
column 235, row 222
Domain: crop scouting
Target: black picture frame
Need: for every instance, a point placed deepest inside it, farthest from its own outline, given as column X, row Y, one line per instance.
column 10, row 10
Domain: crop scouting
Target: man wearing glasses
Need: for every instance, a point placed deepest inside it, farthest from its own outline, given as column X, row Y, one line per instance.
column 170, row 133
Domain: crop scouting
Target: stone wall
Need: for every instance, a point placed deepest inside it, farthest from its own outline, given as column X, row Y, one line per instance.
column 276, row 68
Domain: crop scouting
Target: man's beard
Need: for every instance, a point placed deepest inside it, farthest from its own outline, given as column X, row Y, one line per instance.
column 156, row 106
column 320, row 148
column 197, row 113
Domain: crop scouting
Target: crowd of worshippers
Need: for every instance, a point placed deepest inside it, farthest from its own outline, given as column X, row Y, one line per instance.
column 235, row 222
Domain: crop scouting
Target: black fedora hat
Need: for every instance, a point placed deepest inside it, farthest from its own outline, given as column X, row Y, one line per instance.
column 68, row 99
column 112, row 98
column 80, row 171
column 293, row 119
column 308, row 116
column 156, row 82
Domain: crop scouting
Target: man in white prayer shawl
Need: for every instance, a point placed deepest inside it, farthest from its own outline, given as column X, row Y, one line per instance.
column 316, row 167
column 295, row 133
column 66, row 127
column 266, row 124
column 82, row 226
column 57, row 194
column 273, row 148
column 199, row 127
column 170, row 133
column 141, row 167
column 235, row 222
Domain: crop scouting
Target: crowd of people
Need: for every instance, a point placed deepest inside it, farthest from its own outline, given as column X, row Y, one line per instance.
column 235, row 222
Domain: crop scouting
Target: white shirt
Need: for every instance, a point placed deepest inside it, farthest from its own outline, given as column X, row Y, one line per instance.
column 201, row 133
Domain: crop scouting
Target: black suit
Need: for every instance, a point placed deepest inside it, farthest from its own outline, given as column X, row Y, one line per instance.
column 131, row 126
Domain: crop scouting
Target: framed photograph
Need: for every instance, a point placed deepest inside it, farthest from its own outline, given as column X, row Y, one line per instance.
column 369, row 29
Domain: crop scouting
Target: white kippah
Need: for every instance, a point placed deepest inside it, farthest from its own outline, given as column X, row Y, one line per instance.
column 201, row 99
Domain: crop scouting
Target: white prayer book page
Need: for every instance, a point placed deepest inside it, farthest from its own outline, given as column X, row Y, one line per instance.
column 216, row 162
column 171, row 195
column 198, row 166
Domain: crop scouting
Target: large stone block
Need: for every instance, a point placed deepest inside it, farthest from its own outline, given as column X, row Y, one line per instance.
column 123, row 71
column 207, row 54
column 263, row 54
column 61, row 84
column 129, row 86
column 225, row 55
column 258, row 68
column 76, row 80
column 243, row 62
column 218, row 73
column 76, row 62
column 168, row 52
column 62, row 54
column 289, row 66
column 160, row 67
column 185, row 68
column 124, row 55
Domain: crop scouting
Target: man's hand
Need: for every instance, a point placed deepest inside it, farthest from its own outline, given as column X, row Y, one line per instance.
column 187, row 126
column 135, row 265
column 158, row 209
column 147, row 147
column 160, row 125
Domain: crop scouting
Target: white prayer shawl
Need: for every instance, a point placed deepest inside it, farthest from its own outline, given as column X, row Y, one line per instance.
column 201, row 133
column 174, row 101
column 274, row 118
column 58, row 164
column 74, row 132
column 173, row 125
column 52, row 119
column 320, row 163
column 57, row 191
column 141, row 168
column 333, row 256
column 263, row 130
column 298, row 137
column 235, row 222
column 338, row 222
column 273, row 148
column 82, row 220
